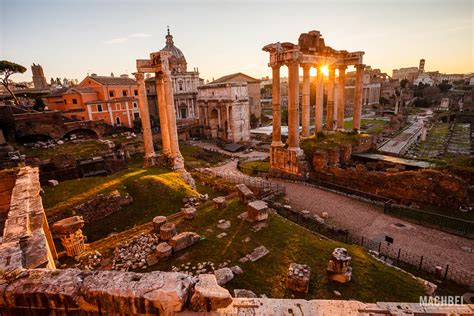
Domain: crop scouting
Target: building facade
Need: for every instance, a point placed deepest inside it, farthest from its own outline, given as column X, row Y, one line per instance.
column 224, row 111
column 409, row 73
column 185, row 84
column 254, row 91
column 372, row 80
column 113, row 100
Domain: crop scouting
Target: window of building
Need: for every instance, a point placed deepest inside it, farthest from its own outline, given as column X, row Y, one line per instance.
column 65, row 101
column 118, row 106
column 135, row 105
column 180, row 86
column 135, row 92
column 99, row 107
column 117, row 121
column 136, row 115
column 124, row 93
column 74, row 101
column 111, row 94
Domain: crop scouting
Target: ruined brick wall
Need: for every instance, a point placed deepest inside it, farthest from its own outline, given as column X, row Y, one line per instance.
column 7, row 182
column 424, row 187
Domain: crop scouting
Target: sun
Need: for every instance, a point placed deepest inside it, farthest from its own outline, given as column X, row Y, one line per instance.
column 325, row 70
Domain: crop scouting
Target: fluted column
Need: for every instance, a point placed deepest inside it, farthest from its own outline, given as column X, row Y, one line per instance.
column 330, row 102
column 276, row 107
column 340, row 97
column 318, row 113
column 177, row 158
column 164, row 126
column 293, row 106
column 358, row 97
column 305, row 108
column 145, row 118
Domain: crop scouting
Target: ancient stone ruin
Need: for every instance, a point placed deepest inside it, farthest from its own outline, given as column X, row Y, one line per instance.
column 245, row 194
column 297, row 279
column 257, row 211
column 70, row 233
column 338, row 267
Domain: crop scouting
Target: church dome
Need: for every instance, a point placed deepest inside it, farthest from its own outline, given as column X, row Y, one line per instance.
column 175, row 51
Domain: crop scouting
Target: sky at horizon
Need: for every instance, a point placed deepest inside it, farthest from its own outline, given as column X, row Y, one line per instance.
column 73, row 38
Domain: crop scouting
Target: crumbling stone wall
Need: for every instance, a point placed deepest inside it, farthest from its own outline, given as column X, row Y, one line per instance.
column 425, row 187
column 7, row 182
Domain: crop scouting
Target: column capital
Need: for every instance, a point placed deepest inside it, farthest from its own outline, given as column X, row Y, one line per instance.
column 140, row 76
column 342, row 68
column 306, row 66
column 275, row 66
column 359, row 66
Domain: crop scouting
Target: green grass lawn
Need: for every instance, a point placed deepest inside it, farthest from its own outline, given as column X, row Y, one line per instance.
column 82, row 149
column 372, row 281
column 253, row 167
column 373, row 125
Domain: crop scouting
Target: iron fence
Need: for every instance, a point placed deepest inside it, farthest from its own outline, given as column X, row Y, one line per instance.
column 385, row 250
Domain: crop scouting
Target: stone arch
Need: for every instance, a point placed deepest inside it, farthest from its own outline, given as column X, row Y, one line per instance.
column 82, row 133
column 214, row 122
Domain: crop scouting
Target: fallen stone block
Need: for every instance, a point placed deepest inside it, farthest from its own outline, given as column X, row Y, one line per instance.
column 245, row 194
column 242, row 293
column 258, row 253
column 208, row 295
column 183, row 240
column 298, row 278
column 257, row 210
column 223, row 275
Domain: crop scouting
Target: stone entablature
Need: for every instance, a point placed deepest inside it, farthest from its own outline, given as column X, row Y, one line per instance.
column 27, row 241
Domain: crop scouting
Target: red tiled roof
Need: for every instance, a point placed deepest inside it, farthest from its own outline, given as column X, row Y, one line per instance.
column 228, row 78
column 113, row 81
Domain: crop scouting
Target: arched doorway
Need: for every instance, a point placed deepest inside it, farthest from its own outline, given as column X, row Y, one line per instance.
column 117, row 121
column 183, row 110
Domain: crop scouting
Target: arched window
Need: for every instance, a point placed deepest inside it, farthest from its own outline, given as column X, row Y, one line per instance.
column 117, row 121
column 180, row 86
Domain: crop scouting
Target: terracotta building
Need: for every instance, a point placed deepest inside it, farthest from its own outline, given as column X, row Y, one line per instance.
column 254, row 93
column 224, row 111
column 111, row 99
column 185, row 84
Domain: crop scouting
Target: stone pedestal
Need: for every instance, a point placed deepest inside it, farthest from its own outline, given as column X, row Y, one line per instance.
column 220, row 202
column 183, row 240
column 158, row 221
column 245, row 194
column 69, row 231
column 189, row 212
column 297, row 279
column 284, row 162
column 257, row 210
column 338, row 268
column 163, row 251
column 167, row 231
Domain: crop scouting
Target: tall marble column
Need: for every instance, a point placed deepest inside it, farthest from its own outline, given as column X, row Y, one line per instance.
column 276, row 107
column 358, row 97
column 305, row 107
column 164, row 126
column 293, row 106
column 177, row 158
column 318, row 115
column 340, row 97
column 145, row 118
column 330, row 102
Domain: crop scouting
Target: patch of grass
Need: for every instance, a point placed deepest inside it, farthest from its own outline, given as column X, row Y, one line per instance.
column 81, row 149
column 372, row 281
column 196, row 157
column 253, row 167
column 370, row 126
column 327, row 141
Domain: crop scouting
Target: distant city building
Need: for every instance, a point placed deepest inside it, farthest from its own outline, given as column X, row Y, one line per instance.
column 372, row 85
column 185, row 84
column 254, row 93
column 39, row 80
column 224, row 111
column 425, row 79
column 110, row 99
column 410, row 74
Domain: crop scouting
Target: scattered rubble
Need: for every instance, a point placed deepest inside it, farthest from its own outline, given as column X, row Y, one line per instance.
column 298, row 278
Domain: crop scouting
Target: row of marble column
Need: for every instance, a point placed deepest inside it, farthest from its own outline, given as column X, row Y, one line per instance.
column 293, row 102
column 166, row 111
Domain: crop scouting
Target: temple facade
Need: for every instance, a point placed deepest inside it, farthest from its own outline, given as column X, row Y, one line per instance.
column 311, row 52
column 184, row 84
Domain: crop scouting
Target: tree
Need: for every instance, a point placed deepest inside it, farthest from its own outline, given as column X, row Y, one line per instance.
column 444, row 86
column 403, row 83
column 8, row 68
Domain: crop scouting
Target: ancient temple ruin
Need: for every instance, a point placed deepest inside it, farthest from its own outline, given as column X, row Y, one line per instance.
column 311, row 52
column 159, row 65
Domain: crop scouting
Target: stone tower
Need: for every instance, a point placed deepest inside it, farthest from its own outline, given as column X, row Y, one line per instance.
column 39, row 80
column 422, row 66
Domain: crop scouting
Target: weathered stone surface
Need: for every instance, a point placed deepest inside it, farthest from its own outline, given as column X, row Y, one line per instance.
column 258, row 253
column 338, row 267
column 298, row 278
column 245, row 194
column 208, row 295
column 223, row 275
column 183, row 240
column 236, row 270
column 69, row 231
column 189, row 212
column 158, row 221
column 164, row 250
column 257, row 210
column 223, row 224
column 167, row 231
column 53, row 183
column 220, row 202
